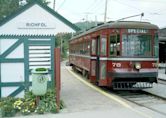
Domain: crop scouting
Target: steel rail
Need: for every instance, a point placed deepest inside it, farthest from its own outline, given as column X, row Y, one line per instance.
column 138, row 95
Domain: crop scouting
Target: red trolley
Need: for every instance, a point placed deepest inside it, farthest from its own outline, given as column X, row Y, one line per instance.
column 122, row 55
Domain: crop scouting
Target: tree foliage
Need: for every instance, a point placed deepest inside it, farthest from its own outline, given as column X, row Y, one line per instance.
column 64, row 39
column 9, row 6
column 87, row 24
column 43, row 1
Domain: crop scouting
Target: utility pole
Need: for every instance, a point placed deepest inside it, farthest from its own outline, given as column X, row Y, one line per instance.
column 61, row 44
column 87, row 13
column 95, row 20
column 105, row 13
column 86, row 21
column 54, row 4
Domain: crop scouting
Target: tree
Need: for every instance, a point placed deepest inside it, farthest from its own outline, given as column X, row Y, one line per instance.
column 87, row 24
column 43, row 1
column 9, row 6
column 65, row 43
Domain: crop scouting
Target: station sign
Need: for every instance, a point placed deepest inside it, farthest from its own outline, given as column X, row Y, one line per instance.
column 36, row 25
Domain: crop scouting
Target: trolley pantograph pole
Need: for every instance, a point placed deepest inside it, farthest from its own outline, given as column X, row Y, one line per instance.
column 105, row 13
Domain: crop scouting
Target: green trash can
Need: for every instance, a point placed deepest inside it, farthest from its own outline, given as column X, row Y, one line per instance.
column 39, row 81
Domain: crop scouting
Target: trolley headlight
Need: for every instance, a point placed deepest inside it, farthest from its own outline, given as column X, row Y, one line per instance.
column 138, row 66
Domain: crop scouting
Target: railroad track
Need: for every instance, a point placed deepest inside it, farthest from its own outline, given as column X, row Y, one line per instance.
column 144, row 99
column 162, row 81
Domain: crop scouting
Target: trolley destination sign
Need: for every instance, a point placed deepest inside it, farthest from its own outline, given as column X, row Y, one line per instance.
column 137, row 30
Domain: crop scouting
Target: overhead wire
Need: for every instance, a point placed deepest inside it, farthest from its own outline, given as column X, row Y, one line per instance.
column 150, row 13
column 96, row 5
column 155, row 2
column 60, row 6
column 100, row 6
column 124, row 4
column 152, row 1
column 92, row 5
column 127, row 5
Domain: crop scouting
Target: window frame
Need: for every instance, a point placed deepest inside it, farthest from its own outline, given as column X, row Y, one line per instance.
column 150, row 45
column 93, row 47
column 156, row 45
column 101, row 45
column 116, row 47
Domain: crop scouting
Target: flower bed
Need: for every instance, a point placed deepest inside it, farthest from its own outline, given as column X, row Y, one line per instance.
column 10, row 106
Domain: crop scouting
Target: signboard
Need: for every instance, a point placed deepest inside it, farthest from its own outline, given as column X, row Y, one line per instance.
column 137, row 31
column 36, row 25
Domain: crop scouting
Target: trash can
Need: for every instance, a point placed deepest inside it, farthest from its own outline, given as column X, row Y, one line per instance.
column 39, row 81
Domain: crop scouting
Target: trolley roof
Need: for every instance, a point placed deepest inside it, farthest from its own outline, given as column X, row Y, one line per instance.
column 118, row 25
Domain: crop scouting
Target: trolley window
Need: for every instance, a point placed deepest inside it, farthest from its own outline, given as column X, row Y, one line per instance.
column 103, row 70
column 93, row 49
column 87, row 48
column 103, row 46
column 115, row 45
column 156, row 45
column 136, row 45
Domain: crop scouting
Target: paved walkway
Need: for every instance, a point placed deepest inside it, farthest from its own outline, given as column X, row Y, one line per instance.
column 162, row 76
column 159, row 89
column 78, row 97
column 84, row 101
column 162, row 71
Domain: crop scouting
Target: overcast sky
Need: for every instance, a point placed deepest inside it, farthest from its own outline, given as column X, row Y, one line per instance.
column 79, row 10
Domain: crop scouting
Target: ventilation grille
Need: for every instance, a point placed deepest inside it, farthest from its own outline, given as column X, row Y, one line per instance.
column 39, row 57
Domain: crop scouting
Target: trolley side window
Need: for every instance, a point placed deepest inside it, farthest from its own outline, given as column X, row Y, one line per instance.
column 87, row 48
column 93, row 49
column 103, row 46
column 115, row 45
column 156, row 45
column 78, row 48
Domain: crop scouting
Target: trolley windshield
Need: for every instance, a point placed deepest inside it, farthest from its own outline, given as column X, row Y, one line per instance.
column 136, row 45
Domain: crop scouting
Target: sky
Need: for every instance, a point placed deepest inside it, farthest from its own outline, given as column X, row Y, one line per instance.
column 93, row 10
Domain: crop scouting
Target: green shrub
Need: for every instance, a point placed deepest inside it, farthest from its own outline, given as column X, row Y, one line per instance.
column 10, row 106
column 62, row 104
column 7, row 108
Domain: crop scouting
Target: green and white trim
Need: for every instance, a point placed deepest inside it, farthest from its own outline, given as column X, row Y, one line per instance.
column 27, row 41
column 20, row 56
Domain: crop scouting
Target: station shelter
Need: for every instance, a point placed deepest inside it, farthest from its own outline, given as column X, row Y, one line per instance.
column 27, row 41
